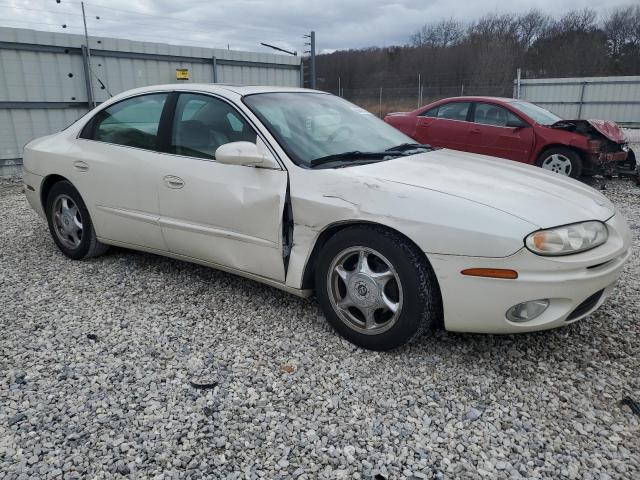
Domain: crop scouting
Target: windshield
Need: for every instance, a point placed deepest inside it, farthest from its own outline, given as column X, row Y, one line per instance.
column 311, row 126
column 538, row 114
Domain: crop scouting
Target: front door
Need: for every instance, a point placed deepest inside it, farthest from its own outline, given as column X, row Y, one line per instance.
column 493, row 133
column 229, row 215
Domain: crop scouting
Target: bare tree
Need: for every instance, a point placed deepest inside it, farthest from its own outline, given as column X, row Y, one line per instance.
column 578, row 21
column 531, row 26
column 444, row 33
column 622, row 28
column 493, row 26
column 483, row 55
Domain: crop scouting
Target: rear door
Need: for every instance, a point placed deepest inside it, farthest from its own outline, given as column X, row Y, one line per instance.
column 445, row 126
column 228, row 215
column 114, row 161
column 492, row 133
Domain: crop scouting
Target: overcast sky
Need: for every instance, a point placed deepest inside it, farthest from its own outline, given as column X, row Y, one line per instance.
column 243, row 24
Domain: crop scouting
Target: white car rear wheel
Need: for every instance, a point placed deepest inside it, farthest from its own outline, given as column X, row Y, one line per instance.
column 70, row 223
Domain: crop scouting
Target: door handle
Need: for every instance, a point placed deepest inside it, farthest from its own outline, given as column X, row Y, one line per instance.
column 80, row 166
column 172, row 181
column 475, row 130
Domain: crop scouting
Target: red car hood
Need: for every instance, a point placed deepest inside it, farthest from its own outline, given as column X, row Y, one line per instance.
column 607, row 128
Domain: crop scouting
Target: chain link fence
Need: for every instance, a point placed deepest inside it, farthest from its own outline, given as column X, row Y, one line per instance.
column 383, row 100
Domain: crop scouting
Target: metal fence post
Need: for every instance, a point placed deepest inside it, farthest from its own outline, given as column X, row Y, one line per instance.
column 87, row 77
column 301, row 73
column 214, row 63
column 518, row 83
column 582, row 88
column 380, row 103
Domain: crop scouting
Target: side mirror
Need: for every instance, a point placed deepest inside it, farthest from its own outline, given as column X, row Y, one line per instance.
column 247, row 154
column 516, row 124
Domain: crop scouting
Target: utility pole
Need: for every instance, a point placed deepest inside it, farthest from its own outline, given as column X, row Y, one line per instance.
column 86, row 40
column 312, row 58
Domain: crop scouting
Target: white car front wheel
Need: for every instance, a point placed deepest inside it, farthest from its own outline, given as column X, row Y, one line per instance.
column 376, row 287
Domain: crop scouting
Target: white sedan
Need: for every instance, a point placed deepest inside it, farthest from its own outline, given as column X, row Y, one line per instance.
column 306, row 192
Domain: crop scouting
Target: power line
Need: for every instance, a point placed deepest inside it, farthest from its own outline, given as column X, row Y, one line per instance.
column 60, row 12
column 105, row 31
column 56, row 25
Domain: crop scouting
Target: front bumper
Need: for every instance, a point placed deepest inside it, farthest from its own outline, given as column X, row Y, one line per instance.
column 598, row 158
column 576, row 285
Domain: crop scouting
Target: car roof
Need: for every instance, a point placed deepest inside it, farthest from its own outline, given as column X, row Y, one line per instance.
column 479, row 99
column 220, row 88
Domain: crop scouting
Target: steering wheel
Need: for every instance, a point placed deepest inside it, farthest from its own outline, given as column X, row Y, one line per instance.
column 346, row 130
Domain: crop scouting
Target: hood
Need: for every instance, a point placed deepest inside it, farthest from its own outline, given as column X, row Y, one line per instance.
column 539, row 197
column 606, row 128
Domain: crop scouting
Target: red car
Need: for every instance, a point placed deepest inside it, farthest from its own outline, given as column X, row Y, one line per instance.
column 516, row 130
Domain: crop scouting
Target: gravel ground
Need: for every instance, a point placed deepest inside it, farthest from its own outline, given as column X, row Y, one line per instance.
column 136, row 366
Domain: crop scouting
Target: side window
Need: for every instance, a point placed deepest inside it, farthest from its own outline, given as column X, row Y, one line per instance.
column 432, row 113
column 489, row 114
column 203, row 123
column 454, row 111
column 133, row 122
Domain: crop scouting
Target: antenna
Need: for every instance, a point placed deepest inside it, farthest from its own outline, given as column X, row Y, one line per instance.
column 86, row 40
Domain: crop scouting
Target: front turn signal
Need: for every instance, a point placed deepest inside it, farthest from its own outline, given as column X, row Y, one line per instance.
column 491, row 273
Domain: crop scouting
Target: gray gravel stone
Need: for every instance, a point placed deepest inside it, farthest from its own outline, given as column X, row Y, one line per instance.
column 291, row 398
column 473, row 414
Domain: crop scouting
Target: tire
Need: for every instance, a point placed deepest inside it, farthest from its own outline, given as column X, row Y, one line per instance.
column 408, row 284
column 72, row 229
column 562, row 160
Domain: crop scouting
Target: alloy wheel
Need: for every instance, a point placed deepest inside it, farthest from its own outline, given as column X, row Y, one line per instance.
column 557, row 163
column 365, row 290
column 67, row 221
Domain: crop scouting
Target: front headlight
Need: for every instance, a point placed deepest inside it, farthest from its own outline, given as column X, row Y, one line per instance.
column 569, row 239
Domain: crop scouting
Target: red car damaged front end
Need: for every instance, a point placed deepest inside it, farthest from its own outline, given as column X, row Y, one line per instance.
column 605, row 140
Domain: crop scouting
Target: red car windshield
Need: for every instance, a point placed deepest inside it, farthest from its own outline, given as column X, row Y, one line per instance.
column 538, row 114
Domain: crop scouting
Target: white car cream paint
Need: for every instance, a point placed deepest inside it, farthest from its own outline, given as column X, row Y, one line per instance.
column 462, row 210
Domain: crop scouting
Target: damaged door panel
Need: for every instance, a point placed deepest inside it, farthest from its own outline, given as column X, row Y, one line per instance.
column 287, row 229
column 229, row 215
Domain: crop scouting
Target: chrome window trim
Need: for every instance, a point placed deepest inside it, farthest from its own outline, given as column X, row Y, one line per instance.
column 168, row 92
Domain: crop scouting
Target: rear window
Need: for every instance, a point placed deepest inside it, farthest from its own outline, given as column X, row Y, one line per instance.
column 132, row 122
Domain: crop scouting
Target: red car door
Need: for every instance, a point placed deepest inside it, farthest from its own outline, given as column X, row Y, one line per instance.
column 445, row 126
column 500, row 133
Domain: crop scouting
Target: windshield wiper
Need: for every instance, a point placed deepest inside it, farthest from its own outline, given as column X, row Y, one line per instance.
column 409, row 146
column 354, row 155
